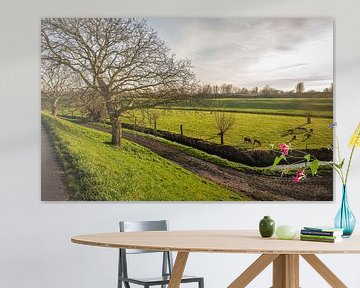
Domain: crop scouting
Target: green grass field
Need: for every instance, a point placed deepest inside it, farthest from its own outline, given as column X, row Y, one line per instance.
column 269, row 129
column 319, row 107
column 98, row 171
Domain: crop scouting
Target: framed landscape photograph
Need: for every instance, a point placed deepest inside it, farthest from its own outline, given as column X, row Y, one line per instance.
column 186, row 109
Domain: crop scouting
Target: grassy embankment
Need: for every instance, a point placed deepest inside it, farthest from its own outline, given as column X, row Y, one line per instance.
column 98, row 171
column 269, row 129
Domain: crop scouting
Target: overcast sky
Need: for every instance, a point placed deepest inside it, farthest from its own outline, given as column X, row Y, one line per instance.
column 250, row 52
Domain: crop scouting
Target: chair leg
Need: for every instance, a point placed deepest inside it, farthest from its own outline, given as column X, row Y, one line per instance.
column 201, row 283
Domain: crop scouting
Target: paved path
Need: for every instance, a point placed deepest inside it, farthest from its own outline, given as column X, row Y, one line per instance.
column 52, row 177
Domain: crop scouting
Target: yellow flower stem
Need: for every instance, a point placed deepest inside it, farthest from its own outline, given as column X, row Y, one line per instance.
column 350, row 159
column 348, row 167
column 340, row 172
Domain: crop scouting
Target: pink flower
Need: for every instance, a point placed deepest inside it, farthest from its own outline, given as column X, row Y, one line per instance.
column 284, row 148
column 300, row 175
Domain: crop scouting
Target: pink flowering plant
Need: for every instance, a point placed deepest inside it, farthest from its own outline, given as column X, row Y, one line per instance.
column 311, row 164
column 300, row 175
column 285, row 149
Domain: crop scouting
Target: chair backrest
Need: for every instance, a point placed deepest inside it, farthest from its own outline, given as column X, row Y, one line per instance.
column 137, row 226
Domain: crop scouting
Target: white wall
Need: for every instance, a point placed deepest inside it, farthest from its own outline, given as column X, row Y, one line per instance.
column 35, row 248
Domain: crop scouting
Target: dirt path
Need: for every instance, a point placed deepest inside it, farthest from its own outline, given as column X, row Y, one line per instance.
column 257, row 187
column 52, row 182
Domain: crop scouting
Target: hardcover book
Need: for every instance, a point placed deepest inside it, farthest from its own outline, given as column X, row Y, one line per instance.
column 326, row 240
column 321, row 233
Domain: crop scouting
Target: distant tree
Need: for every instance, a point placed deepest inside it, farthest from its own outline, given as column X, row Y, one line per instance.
column 255, row 90
column 244, row 91
column 224, row 121
column 226, row 88
column 153, row 117
column 300, row 87
column 135, row 117
column 215, row 89
column 57, row 82
column 206, row 89
column 124, row 60
column 329, row 89
column 90, row 103
column 266, row 90
column 95, row 111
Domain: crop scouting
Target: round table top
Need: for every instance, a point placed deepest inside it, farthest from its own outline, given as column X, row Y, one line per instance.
column 220, row 241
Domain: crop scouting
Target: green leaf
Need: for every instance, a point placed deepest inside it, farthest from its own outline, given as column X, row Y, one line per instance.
column 277, row 160
column 314, row 167
column 307, row 157
column 342, row 164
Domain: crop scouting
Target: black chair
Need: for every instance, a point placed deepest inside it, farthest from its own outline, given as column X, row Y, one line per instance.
column 167, row 265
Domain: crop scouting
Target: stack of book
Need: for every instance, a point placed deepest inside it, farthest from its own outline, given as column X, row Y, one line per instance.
column 321, row 234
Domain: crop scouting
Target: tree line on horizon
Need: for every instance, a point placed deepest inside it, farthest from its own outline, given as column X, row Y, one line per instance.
column 227, row 89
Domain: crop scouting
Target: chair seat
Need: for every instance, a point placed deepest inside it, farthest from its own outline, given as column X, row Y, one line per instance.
column 158, row 280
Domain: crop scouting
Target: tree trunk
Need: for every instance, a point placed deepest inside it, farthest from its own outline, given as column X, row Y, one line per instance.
column 54, row 110
column 222, row 138
column 116, row 131
column 308, row 120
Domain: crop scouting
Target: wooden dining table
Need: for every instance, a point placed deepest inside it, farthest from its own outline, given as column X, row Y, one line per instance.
column 283, row 254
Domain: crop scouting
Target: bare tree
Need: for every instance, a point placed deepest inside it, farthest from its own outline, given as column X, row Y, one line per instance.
column 153, row 117
column 133, row 117
column 90, row 103
column 226, row 88
column 267, row 89
column 224, row 121
column 300, row 87
column 57, row 83
column 123, row 59
column 330, row 88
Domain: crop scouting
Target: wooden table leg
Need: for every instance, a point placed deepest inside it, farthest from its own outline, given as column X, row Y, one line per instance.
column 253, row 270
column 324, row 271
column 286, row 271
column 178, row 270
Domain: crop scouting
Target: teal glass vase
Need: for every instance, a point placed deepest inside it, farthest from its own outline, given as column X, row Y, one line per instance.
column 345, row 219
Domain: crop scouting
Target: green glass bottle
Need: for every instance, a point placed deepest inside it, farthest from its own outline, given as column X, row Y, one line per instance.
column 267, row 227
